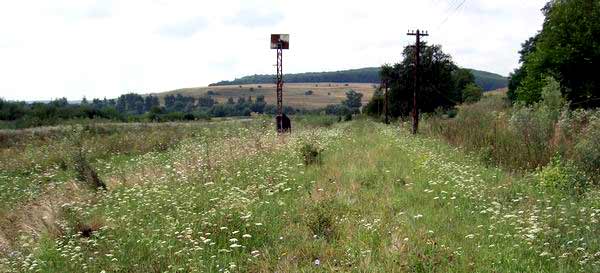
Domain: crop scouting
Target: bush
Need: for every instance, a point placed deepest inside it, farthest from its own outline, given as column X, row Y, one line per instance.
column 337, row 110
column 472, row 93
column 348, row 117
column 85, row 172
column 563, row 176
column 587, row 150
column 311, row 154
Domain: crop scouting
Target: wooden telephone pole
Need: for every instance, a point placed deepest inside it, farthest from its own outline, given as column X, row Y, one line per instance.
column 415, row 111
column 385, row 101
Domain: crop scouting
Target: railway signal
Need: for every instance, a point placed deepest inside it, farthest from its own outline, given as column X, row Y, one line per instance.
column 281, row 42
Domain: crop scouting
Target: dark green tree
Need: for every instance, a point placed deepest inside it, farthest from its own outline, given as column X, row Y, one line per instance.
column 463, row 78
column 438, row 85
column 150, row 101
column 353, row 100
column 567, row 49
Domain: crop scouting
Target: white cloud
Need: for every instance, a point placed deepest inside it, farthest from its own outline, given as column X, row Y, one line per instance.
column 104, row 48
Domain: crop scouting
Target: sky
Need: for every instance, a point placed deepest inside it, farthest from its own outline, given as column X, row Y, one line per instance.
column 104, row 48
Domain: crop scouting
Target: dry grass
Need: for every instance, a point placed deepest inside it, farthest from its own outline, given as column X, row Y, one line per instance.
column 294, row 93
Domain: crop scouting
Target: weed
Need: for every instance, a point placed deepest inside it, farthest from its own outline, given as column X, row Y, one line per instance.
column 86, row 173
column 311, row 154
column 563, row 176
column 321, row 220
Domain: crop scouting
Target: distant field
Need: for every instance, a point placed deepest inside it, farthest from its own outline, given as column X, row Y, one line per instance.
column 293, row 93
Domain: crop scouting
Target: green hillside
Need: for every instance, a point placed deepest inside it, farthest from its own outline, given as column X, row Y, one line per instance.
column 488, row 81
column 361, row 75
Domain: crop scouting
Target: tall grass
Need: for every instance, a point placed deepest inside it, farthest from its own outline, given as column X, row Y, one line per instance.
column 240, row 199
column 523, row 137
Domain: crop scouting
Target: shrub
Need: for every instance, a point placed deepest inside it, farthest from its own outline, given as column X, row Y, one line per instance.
column 348, row 117
column 587, row 150
column 311, row 154
column 472, row 93
column 563, row 176
column 85, row 172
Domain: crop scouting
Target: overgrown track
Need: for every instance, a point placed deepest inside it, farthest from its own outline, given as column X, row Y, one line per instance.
column 377, row 200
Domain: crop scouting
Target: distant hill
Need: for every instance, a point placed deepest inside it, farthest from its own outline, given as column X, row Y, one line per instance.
column 488, row 81
column 295, row 94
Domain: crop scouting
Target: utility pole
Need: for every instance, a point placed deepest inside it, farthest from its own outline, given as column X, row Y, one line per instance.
column 415, row 113
column 384, row 84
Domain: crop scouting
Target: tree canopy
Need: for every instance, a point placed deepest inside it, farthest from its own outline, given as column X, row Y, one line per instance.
column 567, row 49
column 441, row 82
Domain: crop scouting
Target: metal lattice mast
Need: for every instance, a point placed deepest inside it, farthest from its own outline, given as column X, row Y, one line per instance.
column 279, row 80
column 281, row 42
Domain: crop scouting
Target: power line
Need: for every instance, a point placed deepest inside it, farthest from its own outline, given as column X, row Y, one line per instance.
column 452, row 13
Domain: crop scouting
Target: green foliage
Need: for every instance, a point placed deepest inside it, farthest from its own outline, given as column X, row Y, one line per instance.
column 316, row 120
column 321, row 219
column 348, row 117
column 369, row 75
column 587, row 149
column 440, row 82
column 375, row 107
column 567, row 48
column 563, row 176
column 337, row 110
column 525, row 137
column 383, row 201
column 463, row 78
column 129, row 108
column 353, row 101
column 310, row 153
column 84, row 172
column 551, row 95
column 472, row 93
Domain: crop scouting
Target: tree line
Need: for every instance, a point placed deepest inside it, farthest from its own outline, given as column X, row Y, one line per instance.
column 137, row 108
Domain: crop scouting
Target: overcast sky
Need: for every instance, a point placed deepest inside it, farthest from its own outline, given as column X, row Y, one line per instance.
column 104, row 48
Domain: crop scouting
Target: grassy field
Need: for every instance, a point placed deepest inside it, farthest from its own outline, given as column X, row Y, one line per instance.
column 294, row 93
column 351, row 197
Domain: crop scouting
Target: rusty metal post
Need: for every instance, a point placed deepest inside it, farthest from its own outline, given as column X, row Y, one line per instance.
column 279, row 87
column 281, row 42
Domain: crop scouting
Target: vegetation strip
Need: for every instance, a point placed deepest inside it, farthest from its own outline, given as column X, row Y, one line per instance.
column 360, row 197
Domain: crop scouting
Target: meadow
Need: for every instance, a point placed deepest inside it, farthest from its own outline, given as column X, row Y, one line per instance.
column 234, row 196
